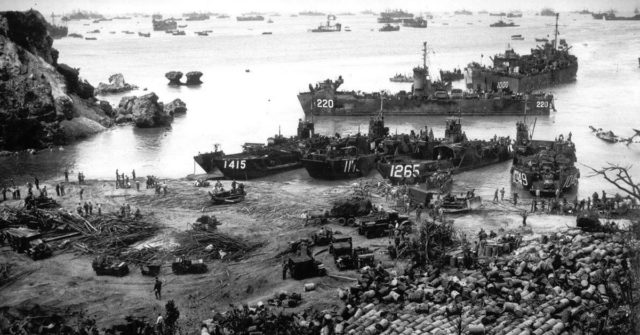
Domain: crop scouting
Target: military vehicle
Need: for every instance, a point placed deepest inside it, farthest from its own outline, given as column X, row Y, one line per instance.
column 39, row 250
column 346, row 211
column 358, row 258
column 109, row 266
column 304, row 266
column 340, row 245
column 380, row 224
column 227, row 197
column 425, row 98
column 547, row 65
column 151, row 270
column 186, row 266
column 20, row 238
column 322, row 237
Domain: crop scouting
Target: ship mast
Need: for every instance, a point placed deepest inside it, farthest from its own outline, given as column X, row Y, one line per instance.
column 555, row 40
column 424, row 55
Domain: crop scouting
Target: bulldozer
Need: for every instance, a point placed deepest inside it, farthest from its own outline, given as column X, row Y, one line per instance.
column 186, row 266
column 39, row 250
column 109, row 266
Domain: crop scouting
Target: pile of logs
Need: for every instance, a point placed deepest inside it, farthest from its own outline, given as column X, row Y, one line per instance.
column 207, row 244
column 571, row 281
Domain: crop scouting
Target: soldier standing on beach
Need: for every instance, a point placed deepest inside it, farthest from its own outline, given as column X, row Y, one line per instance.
column 502, row 194
column 66, row 175
column 495, row 196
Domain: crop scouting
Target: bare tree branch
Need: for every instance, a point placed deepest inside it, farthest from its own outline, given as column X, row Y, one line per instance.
column 619, row 176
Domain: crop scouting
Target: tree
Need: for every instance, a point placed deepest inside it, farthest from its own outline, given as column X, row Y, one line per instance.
column 171, row 317
column 619, row 176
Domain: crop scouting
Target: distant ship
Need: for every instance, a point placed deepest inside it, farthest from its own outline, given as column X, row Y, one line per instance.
column 311, row 13
column 517, row 37
column 425, row 98
column 160, row 24
column 250, row 18
column 463, row 12
column 498, row 14
column 547, row 65
column 611, row 16
column 328, row 28
column 401, row 78
column 502, row 24
column 547, row 12
column 388, row 27
column 197, row 16
column 415, row 23
column 256, row 159
column 514, row 15
column 547, row 166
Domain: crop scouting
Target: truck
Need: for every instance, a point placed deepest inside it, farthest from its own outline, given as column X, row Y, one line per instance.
column 304, row 266
column 357, row 258
column 187, row 266
column 380, row 224
column 39, row 250
column 346, row 211
column 340, row 245
column 20, row 238
column 109, row 266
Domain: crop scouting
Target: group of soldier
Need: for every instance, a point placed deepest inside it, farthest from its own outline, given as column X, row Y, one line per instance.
column 122, row 180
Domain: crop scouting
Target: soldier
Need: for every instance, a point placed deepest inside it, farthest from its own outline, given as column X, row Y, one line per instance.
column 233, row 185
column 133, row 174
column 62, row 189
column 524, row 218
column 58, row 189
column 66, row 175
column 515, row 198
column 81, row 192
column 157, row 289
column 284, row 270
column 495, row 196
column 502, row 194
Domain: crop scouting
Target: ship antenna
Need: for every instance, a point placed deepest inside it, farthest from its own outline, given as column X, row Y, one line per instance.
column 424, row 56
column 555, row 40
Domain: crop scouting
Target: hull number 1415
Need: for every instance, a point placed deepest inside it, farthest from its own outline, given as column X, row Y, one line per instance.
column 235, row 164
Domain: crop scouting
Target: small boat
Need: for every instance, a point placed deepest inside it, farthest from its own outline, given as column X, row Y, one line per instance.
column 545, row 40
column 401, row 78
column 266, row 33
column 517, row 37
column 454, row 204
column 389, row 27
column 347, row 28
column 607, row 136
column 182, row 26
column 144, row 34
column 202, row 33
column 179, row 33
column 227, row 197
column 90, row 38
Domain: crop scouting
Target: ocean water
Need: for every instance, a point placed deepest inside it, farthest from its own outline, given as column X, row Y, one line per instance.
column 233, row 106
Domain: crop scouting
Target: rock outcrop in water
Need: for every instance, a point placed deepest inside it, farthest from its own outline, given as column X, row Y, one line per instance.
column 145, row 111
column 42, row 103
column 193, row 78
column 174, row 77
column 116, row 85
column 176, row 106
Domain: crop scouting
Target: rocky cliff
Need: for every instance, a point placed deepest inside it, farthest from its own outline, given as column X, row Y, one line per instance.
column 42, row 103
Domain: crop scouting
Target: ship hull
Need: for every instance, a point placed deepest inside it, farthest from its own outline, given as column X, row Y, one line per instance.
column 410, row 171
column 479, row 79
column 341, row 168
column 350, row 105
column 243, row 167
column 531, row 181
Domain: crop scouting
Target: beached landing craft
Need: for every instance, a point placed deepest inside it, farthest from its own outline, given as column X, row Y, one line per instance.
column 257, row 160
column 547, row 166
column 350, row 157
column 454, row 152
column 425, row 98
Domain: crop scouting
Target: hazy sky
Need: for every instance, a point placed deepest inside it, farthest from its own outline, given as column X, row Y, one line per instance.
column 336, row 6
